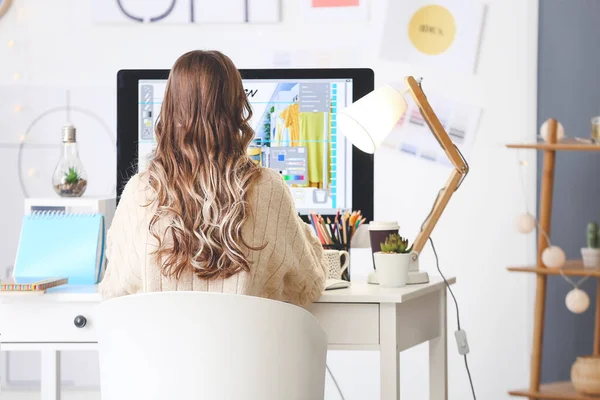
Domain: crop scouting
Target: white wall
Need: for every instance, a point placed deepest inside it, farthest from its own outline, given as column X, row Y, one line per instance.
column 57, row 46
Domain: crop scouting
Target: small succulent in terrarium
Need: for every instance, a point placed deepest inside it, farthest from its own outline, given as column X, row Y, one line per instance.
column 72, row 184
column 71, row 176
column 395, row 244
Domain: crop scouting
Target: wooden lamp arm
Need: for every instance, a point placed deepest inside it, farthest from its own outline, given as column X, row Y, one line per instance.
column 461, row 169
column 436, row 212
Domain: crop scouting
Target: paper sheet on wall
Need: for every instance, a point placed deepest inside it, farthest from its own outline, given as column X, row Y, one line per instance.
column 441, row 33
column 332, row 11
column 186, row 11
column 413, row 137
column 315, row 59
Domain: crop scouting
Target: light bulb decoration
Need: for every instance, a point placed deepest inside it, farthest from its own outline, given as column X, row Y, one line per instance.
column 560, row 131
column 69, row 178
column 16, row 76
column 10, row 43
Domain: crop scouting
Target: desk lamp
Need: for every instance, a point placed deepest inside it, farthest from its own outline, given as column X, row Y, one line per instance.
column 368, row 121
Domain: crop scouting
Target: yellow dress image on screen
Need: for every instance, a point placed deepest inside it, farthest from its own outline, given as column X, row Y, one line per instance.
column 255, row 154
column 432, row 30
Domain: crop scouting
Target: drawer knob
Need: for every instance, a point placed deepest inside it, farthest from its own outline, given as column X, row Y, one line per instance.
column 80, row 321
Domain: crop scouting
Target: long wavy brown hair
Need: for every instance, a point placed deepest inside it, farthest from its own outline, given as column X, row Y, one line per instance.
column 200, row 170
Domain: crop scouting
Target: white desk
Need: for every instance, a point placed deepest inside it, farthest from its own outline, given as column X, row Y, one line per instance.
column 363, row 317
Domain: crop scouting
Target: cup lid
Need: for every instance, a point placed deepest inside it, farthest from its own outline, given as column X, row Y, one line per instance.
column 383, row 225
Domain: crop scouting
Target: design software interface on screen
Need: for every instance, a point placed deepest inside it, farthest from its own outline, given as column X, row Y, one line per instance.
column 295, row 134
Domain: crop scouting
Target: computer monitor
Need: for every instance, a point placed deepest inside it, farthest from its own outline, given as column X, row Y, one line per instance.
column 296, row 134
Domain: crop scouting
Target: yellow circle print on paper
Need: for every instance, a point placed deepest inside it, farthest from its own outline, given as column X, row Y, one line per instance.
column 432, row 29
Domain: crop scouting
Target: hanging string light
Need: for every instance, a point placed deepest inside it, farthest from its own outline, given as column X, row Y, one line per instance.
column 525, row 222
column 577, row 300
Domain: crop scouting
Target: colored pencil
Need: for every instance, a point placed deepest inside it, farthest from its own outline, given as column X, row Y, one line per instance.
column 311, row 217
column 344, row 227
column 324, row 228
column 337, row 227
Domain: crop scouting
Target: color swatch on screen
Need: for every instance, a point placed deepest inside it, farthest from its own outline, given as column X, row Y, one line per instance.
column 293, row 177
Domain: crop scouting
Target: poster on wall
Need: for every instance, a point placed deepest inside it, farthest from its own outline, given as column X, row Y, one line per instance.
column 186, row 11
column 440, row 33
column 413, row 137
column 331, row 11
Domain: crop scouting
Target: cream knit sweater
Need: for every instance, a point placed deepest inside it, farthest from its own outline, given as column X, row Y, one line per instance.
column 290, row 268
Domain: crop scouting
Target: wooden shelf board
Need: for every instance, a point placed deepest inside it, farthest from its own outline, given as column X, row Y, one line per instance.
column 571, row 268
column 553, row 391
column 563, row 145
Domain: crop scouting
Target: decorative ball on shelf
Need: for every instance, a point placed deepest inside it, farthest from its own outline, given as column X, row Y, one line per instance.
column 525, row 223
column 577, row 301
column 554, row 257
column 560, row 131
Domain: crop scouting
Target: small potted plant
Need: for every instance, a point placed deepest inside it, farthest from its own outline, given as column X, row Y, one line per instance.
column 393, row 262
column 591, row 253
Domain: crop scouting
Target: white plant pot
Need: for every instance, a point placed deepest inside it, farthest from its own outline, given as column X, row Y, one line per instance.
column 392, row 269
column 591, row 257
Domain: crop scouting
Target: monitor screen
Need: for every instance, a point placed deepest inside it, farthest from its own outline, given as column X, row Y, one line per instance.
column 296, row 134
column 294, row 121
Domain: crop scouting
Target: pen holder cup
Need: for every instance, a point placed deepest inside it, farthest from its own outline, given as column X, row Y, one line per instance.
column 339, row 264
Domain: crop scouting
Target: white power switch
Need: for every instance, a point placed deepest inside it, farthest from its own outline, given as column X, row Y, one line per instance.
column 461, row 342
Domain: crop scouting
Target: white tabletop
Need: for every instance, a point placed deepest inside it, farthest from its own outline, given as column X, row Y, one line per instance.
column 366, row 293
column 357, row 293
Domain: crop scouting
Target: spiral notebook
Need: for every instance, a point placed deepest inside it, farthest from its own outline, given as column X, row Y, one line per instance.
column 56, row 244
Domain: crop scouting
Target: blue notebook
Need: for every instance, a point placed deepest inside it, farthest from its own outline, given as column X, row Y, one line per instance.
column 64, row 245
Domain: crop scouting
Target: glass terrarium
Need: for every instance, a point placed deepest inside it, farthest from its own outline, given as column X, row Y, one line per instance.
column 69, row 178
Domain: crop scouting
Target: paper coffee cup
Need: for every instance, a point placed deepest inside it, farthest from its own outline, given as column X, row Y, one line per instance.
column 379, row 231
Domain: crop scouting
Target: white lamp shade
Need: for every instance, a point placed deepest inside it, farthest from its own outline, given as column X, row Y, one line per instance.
column 368, row 121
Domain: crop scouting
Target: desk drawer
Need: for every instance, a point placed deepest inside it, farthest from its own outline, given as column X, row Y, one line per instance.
column 30, row 321
column 348, row 323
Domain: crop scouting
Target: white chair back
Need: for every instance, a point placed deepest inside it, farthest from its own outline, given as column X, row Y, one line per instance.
column 209, row 346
